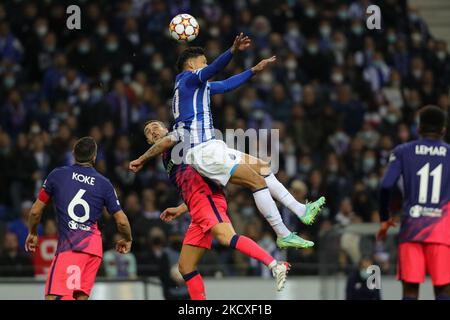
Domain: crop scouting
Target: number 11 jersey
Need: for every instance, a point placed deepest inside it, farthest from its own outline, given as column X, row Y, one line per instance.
column 424, row 167
column 79, row 195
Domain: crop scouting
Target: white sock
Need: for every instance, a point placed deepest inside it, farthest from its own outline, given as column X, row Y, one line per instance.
column 269, row 210
column 280, row 193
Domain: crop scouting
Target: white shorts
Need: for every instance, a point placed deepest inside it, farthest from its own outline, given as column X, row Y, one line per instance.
column 214, row 160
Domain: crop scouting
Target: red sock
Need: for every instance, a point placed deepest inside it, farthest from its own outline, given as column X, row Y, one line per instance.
column 250, row 248
column 194, row 283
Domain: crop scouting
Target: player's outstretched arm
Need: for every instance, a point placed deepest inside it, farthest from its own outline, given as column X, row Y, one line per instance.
column 33, row 221
column 157, row 148
column 240, row 43
column 172, row 213
column 124, row 228
column 236, row 81
column 263, row 64
column 231, row 83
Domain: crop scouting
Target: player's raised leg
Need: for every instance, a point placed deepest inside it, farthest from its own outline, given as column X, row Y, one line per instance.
column 187, row 265
column 305, row 212
column 225, row 234
column 245, row 176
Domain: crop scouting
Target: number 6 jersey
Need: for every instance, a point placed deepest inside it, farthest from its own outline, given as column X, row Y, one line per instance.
column 79, row 194
column 424, row 166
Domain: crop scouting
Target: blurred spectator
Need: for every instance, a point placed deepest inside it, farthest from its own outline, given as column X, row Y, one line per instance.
column 341, row 97
column 357, row 288
column 19, row 226
column 119, row 266
column 13, row 261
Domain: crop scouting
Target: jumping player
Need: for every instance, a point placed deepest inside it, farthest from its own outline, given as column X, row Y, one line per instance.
column 285, row 238
column 424, row 166
column 79, row 193
column 211, row 157
column 207, row 205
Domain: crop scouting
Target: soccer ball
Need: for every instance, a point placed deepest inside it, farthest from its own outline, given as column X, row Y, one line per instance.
column 184, row 28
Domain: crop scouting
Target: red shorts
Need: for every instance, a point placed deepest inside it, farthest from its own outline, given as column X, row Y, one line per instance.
column 72, row 271
column 415, row 259
column 206, row 212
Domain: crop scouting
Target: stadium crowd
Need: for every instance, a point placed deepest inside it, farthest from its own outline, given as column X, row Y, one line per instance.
column 341, row 95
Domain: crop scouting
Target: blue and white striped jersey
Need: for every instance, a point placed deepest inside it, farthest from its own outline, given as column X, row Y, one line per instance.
column 191, row 104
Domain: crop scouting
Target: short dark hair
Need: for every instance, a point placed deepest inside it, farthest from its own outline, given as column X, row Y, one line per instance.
column 151, row 121
column 432, row 119
column 85, row 150
column 187, row 54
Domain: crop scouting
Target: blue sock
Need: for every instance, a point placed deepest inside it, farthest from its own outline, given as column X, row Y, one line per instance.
column 409, row 298
column 442, row 297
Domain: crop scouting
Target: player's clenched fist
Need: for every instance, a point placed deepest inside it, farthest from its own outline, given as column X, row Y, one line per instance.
column 123, row 246
column 136, row 165
column 31, row 242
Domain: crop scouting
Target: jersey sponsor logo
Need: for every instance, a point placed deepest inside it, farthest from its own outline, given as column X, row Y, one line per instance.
column 78, row 226
column 418, row 211
column 424, row 150
column 82, row 178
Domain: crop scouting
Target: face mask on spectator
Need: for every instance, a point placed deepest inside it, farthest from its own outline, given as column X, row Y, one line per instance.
column 214, row 32
column 391, row 38
column 313, row 49
column 325, row 31
column 343, row 15
column 105, row 76
column 41, row 31
column 127, row 68
column 112, row 46
column 339, row 46
column 157, row 65
column 102, row 30
column 96, row 94
column 417, row 73
column 372, row 183
column 363, row 274
column 368, row 164
column 84, row 48
column 266, row 78
column 392, row 118
column 50, row 48
column 441, row 54
column 337, row 77
column 305, row 167
column 293, row 32
column 395, row 83
column 84, row 96
column 333, row 168
column 258, row 114
column 9, row 82
column 358, row 30
column 134, row 38
column 248, row 212
column 310, row 12
column 416, row 37
column 291, row 64
column 148, row 50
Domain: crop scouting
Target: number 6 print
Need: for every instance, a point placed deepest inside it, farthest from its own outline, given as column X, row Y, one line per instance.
column 77, row 200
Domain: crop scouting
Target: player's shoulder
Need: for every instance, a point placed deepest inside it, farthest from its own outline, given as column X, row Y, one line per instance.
column 405, row 147
column 59, row 170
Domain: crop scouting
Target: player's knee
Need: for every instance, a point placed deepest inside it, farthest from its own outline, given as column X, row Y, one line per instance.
column 223, row 238
column 185, row 268
column 258, row 183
